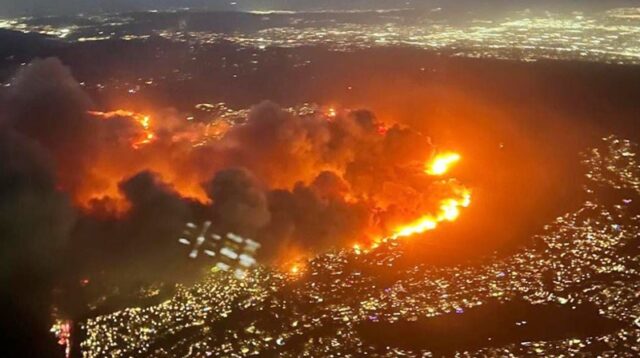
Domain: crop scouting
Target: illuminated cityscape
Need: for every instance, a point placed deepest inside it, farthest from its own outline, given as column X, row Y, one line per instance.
column 610, row 36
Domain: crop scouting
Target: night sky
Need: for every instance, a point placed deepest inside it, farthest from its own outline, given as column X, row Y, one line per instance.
column 10, row 8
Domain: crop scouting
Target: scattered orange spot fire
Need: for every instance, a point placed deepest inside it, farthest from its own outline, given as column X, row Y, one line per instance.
column 357, row 249
column 296, row 270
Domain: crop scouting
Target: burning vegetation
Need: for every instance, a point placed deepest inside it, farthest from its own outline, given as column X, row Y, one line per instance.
column 292, row 180
column 98, row 196
column 326, row 167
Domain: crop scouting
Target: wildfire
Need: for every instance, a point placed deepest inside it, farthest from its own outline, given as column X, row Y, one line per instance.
column 295, row 270
column 108, row 169
column 143, row 120
column 441, row 163
column 448, row 210
column 148, row 134
column 192, row 135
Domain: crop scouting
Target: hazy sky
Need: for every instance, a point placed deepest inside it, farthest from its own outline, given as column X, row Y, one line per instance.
column 61, row 7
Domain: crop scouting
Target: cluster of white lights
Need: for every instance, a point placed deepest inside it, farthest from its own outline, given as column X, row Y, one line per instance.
column 230, row 251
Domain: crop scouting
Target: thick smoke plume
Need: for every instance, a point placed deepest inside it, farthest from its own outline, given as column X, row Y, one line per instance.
column 36, row 218
column 309, row 181
column 88, row 192
column 85, row 189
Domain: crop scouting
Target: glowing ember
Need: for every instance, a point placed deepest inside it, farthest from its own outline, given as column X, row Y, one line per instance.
column 441, row 163
column 357, row 249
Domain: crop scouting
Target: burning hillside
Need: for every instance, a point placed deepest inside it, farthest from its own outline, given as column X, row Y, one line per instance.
column 305, row 180
column 95, row 199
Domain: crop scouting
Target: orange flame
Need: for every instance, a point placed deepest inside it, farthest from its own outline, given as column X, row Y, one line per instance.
column 143, row 120
column 448, row 210
column 107, row 171
column 441, row 163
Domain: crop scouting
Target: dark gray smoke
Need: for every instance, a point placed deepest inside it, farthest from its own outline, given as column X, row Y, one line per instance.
column 313, row 217
column 239, row 202
column 35, row 222
column 288, row 181
column 48, row 105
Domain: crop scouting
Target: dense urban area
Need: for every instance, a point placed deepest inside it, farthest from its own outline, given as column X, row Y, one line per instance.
column 611, row 36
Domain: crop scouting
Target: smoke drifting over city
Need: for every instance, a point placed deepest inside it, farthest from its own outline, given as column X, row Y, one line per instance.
column 298, row 184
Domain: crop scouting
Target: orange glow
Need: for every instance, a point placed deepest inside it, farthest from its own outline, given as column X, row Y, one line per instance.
column 331, row 112
column 441, row 163
column 296, row 270
column 171, row 149
column 357, row 249
column 449, row 208
column 143, row 120
column 117, row 162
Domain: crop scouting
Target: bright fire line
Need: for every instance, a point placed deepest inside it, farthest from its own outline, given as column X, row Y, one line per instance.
column 448, row 210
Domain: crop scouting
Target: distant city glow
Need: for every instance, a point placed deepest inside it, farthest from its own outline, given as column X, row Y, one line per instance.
column 612, row 36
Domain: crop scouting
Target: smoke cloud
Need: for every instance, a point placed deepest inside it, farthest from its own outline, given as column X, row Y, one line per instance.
column 35, row 222
column 239, row 203
column 106, row 194
column 311, row 181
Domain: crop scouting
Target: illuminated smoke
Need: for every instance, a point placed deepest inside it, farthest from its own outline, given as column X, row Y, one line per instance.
column 291, row 181
column 448, row 209
column 144, row 121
